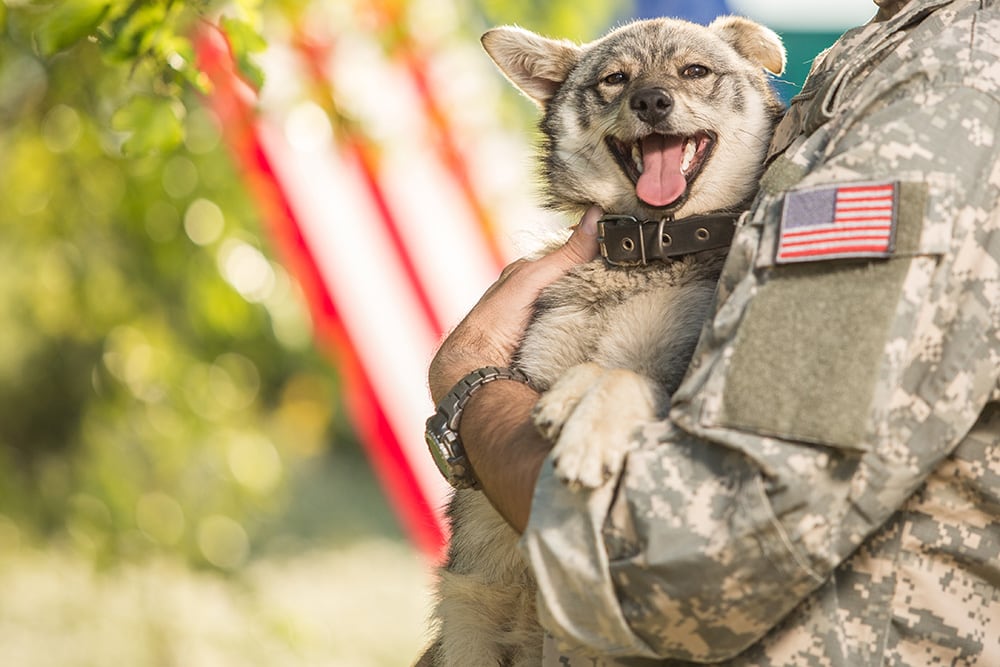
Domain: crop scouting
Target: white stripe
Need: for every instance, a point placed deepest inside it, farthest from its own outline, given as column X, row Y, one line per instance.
column 390, row 334
column 838, row 226
column 845, row 243
column 879, row 204
column 440, row 232
column 435, row 221
column 874, row 216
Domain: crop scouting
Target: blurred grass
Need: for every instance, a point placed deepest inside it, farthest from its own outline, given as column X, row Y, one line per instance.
column 334, row 501
column 332, row 583
column 359, row 605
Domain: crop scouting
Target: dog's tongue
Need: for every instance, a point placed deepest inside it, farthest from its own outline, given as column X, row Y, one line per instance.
column 661, row 181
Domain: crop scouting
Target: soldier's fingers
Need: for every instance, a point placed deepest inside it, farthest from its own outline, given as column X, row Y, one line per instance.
column 582, row 244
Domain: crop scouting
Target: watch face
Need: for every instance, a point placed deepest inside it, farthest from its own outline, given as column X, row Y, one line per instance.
column 437, row 450
column 442, row 442
column 436, row 443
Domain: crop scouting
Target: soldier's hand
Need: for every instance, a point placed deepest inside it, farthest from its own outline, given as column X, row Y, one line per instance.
column 490, row 332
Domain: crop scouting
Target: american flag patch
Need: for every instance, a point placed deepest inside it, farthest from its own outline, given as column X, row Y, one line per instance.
column 838, row 222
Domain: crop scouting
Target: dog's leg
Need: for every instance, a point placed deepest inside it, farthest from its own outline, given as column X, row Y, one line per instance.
column 557, row 404
column 595, row 438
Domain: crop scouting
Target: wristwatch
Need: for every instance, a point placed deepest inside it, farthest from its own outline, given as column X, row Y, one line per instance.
column 441, row 432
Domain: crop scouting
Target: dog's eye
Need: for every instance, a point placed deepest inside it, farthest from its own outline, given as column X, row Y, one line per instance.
column 695, row 72
column 615, row 79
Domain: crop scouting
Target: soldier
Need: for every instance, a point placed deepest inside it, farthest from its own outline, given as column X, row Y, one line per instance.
column 826, row 490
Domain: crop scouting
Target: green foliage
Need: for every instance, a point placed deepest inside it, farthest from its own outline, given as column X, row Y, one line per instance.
column 245, row 41
column 152, row 122
column 582, row 20
column 152, row 41
column 68, row 22
column 158, row 389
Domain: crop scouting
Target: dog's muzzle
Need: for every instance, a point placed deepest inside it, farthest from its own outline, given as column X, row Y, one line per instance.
column 626, row 241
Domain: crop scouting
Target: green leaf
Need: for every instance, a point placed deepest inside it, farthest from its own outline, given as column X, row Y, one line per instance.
column 69, row 22
column 244, row 41
column 180, row 56
column 154, row 123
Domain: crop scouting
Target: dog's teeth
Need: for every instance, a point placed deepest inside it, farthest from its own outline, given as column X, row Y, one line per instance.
column 637, row 157
column 689, row 150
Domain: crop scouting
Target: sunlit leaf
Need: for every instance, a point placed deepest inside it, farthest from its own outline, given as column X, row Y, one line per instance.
column 136, row 30
column 245, row 41
column 153, row 122
column 69, row 22
column 249, row 7
column 180, row 56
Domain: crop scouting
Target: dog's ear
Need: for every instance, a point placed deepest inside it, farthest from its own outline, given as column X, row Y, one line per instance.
column 535, row 64
column 753, row 41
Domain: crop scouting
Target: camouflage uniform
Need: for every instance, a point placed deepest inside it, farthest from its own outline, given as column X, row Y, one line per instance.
column 827, row 490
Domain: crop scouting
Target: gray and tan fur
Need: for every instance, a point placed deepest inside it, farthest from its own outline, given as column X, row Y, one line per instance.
column 608, row 346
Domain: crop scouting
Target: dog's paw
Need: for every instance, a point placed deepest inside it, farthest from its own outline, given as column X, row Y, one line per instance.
column 557, row 404
column 596, row 436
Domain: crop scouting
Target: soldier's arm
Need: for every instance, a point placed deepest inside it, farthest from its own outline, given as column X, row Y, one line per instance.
column 502, row 446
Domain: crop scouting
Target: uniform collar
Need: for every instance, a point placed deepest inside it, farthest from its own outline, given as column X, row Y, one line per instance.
column 888, row 9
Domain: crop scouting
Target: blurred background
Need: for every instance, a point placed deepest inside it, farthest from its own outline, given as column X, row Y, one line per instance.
column 231, row 234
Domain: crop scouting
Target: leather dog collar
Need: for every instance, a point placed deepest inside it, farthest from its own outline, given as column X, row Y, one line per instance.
column 627, row 241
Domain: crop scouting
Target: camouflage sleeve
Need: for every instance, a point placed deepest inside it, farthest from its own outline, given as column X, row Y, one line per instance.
column 822, row 395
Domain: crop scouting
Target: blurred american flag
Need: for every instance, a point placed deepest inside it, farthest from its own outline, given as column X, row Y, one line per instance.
column 382, row 172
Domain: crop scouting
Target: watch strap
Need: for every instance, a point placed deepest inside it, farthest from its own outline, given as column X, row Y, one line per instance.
column 455, row 400
column 442, row 427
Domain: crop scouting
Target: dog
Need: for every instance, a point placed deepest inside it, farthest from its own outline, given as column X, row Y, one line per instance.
column 660, row 120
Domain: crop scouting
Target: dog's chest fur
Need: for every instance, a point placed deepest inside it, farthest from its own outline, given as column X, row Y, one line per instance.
column 645, row 319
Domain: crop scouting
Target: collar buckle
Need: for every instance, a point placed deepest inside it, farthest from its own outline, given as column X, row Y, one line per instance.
column 623, row 242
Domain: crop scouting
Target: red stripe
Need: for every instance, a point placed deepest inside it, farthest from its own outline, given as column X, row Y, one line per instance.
column 867, row 188
column 230, row 99
column 827, row 242
column 876, row 198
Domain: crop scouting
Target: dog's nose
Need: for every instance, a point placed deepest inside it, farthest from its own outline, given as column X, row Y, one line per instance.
column 651, row 105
